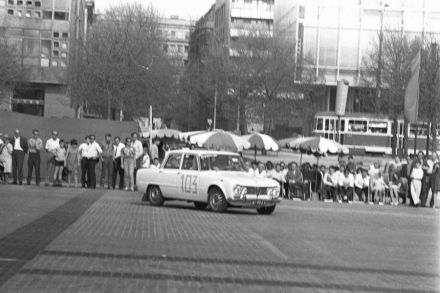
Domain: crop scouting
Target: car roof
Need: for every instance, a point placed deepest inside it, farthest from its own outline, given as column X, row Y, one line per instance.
column 202, row 152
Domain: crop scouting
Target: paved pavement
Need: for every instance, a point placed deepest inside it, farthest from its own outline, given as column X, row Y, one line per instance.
column 54, row 240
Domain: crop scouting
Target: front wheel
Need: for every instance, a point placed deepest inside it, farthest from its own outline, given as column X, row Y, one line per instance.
column 155, row 196
column 217, row 201
column 266, row 210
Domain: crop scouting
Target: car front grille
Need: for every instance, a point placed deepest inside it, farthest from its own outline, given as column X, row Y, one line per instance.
column 256, row 190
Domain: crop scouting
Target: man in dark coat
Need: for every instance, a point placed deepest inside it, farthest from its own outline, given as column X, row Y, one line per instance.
column 20, row 148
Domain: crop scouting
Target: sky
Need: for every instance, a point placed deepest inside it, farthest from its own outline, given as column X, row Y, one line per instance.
column 187, row 9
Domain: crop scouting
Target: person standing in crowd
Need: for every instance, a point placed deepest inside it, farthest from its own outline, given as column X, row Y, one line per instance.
column 427, row 166
column 128, row 161
column 108, row 150
column 378, row 189
column 20, row 145
column 94, row 151
column 137, row 145
column 83, row 151
column 51, row 145
column 118, row 168
column 294, row 178
column 253, row 170
column 154, row 150
column 436, row 189
column 416, row 182
column 279, row 176
column 395, row 185
column 351, row 165
column 35, row 145
column 146, row 161
column 6, row 150
column 73, row 162
column 60, row 163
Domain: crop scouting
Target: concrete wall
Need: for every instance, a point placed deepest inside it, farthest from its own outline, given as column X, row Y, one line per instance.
column 57, row 103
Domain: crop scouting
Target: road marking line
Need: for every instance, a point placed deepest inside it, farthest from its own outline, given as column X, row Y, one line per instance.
column 269, row 246
column 10, row 259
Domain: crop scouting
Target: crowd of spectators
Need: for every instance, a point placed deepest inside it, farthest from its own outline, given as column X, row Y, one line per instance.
column 415, row 180
column 75, row 162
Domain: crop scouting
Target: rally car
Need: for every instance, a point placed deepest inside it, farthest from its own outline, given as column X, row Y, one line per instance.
column 213, row 179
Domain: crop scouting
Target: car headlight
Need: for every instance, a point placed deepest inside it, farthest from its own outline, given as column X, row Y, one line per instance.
column 239, row 191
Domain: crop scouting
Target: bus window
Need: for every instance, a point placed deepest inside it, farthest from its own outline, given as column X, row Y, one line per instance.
column 319, row 124
column 378, row 127
column 343, row 125
column 357, row 126
column 327, row 124
column 422, row 129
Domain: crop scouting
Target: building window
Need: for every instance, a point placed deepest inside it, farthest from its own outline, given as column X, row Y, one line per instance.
column 56, row 44
column 65, row 35
column 37, row 14
column 19, row 2
column 55, row 53
column 44, row 62
column 63, row 54
column 173, row 34
column 64, row 45
column 28, row 14
column 11, row 2
column 165, row 48
column 29, row 3
column 37, row 4
column 56, row 35
column 54, row 63
column 10, row 12
column 58, row 15
column 47, row 14
column 19, row 13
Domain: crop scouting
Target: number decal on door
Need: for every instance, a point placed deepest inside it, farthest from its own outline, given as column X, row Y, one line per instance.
column 189, row 184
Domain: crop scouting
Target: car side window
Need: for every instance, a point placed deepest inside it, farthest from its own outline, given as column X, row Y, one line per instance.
column 190, row 162
column 173, row 161
column 204, row 163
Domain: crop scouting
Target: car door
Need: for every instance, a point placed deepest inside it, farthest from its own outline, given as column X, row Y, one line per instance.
column 169, row 174
column 188, row 181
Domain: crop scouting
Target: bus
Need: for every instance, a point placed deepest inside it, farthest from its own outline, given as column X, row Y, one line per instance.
column 370, row 133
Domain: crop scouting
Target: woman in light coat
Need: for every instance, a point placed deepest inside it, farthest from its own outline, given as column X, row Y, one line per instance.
column 6, row 158
column 416, row 182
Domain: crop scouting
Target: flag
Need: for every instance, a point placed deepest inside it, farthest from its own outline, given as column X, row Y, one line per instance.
column 412, row 91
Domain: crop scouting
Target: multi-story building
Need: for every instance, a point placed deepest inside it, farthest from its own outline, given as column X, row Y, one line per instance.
column 333, row 38
column 234, row 17
column 42, row 32
column 176, row 35
column 201, row 38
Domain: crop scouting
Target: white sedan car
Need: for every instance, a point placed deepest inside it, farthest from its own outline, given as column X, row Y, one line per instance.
column 207, row 178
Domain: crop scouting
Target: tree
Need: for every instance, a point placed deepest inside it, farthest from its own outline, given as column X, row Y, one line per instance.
column 429, row 101
column 398, row 48
column 11, row 70
column 121, row 65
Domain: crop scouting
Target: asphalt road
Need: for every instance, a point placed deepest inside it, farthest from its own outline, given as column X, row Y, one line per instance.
column 66, row 240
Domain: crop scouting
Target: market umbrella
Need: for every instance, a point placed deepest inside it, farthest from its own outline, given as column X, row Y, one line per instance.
column 284, row 143
column 220, row 139
column 162, row 133
column 186, row 135
column 317, row 146
column 261, row 142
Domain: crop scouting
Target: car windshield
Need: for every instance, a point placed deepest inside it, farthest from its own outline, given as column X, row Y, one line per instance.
column 218, row 162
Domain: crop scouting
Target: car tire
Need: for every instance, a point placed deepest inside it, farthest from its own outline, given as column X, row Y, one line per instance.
column 217, row 200
column 155, row 196
column 266, row 210
column 200, row 205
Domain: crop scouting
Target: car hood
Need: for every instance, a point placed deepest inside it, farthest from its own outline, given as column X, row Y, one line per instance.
column 245, row 179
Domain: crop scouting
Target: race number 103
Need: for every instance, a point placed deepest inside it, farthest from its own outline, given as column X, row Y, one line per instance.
column 189, row 183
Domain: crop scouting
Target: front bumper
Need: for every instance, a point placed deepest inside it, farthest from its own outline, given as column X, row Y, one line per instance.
column 254, row 201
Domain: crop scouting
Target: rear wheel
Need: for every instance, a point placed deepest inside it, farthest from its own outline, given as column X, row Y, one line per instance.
column 266, row 210
column 217, row 201
column 200, row 205
column 155, row 196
